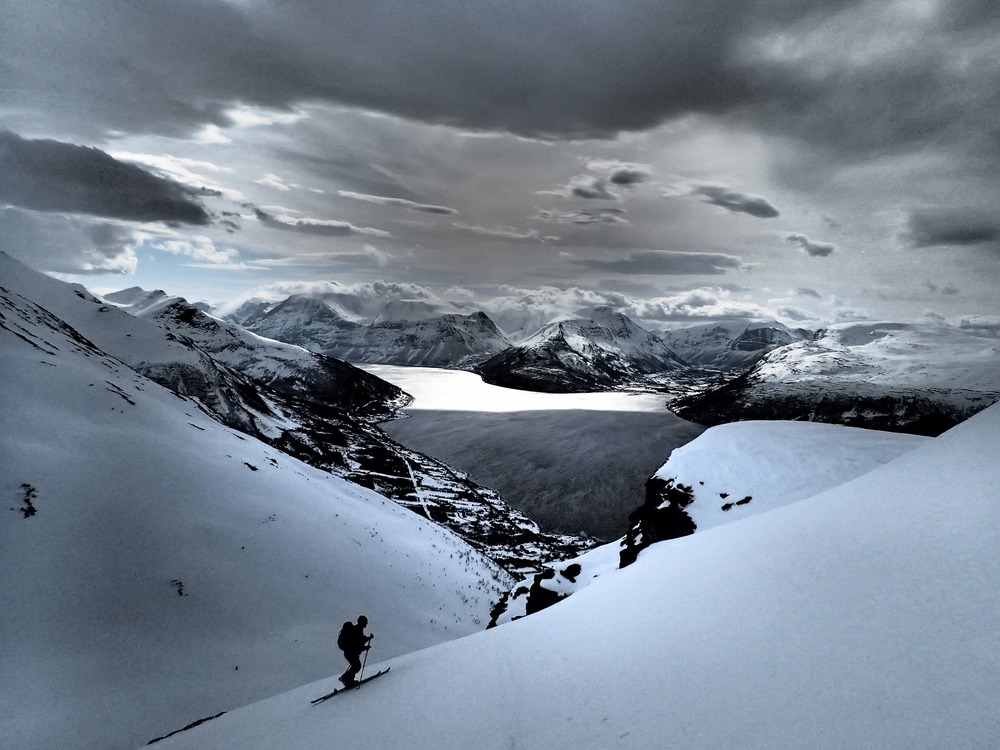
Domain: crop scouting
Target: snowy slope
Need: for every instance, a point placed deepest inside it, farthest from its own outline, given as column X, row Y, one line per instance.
column 894, row 376
column 773, row 464
column 595, row 351
column 159, row 566
column 863, row 617
column 725, row 474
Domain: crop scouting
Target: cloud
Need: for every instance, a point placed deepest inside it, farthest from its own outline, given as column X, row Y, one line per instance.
column 698, row 305
column 736, row 201
column 199, row 248
column 583, row 217
column 66, row 244
column 273, row 181
column 369, row 256
column 47, row 175
column 399, row 202
column 317, row 227
column 812, row 247
column 846, row 77
column 182, row 170
column 982, row 325
column 807, row 292
column 610, row 174
column 591, row 188
column 947, row 290
column 934, row 227
column 364, row 299
column 665, row 262
column 506, row 233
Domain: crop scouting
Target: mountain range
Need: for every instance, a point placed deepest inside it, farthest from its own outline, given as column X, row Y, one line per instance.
column 921, row 379
column 404, row 332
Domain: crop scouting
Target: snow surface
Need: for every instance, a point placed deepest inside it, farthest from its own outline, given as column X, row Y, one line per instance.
column 773, row 464
column 862, row 617
column 436, row 389
column 738, row 470
column 173, row 568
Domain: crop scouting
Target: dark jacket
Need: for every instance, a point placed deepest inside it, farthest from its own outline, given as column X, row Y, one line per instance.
column 352, row 639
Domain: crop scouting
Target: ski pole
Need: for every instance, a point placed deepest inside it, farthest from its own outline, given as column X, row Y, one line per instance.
column 365, row 659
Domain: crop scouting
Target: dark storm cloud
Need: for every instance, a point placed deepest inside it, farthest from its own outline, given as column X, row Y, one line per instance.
column 952, row 226
column 846, row 79
column 665, row 262
column 811, row 247
column 46, row 175
column 610, row 174
column 736, row 202
column 381, row 200
column 168, row 66
column 807, row 292
column 627, row 176
column 316, row 227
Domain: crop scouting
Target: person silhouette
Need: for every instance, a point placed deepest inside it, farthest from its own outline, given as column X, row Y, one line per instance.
column 353, row 642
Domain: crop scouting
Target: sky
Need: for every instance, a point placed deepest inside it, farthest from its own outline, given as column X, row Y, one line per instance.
column 811, row 161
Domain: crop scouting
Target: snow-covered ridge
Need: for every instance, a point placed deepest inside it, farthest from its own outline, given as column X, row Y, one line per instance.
column 863, row 616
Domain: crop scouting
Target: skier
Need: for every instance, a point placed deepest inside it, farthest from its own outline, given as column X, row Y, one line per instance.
column 353, row 642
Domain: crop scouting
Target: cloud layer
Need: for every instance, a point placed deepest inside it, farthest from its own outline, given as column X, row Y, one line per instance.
column 46, row 175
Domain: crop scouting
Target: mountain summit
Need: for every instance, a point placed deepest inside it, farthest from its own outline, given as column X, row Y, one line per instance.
column 597, row 350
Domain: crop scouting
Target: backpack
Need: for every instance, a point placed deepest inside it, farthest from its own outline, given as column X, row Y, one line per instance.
column 344, row 639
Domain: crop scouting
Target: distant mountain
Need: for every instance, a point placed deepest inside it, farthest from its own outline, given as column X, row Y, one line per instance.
column 890, row 376
column 730, row 345
column 600, row 349
column 405, row 332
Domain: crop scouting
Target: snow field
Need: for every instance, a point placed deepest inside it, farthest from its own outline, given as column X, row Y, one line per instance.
column 864, row 616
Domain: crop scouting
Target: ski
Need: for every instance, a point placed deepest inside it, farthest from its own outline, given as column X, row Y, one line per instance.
column 352, row 687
